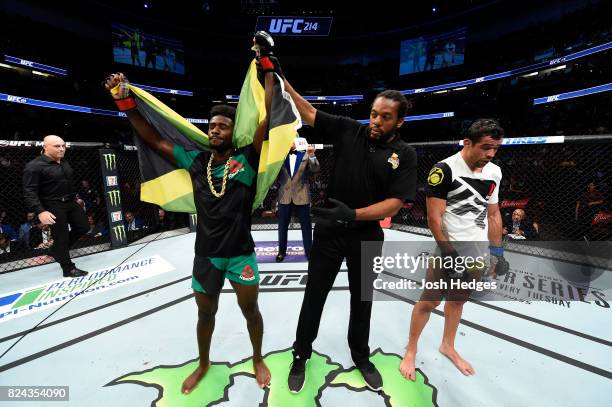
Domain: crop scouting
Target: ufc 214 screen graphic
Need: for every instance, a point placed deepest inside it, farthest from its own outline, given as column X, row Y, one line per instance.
column 295, row 26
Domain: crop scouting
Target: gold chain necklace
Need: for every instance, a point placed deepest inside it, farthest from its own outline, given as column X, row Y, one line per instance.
column 225, row 174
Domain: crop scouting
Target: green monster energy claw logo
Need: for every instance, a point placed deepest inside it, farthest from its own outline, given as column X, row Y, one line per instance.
column 110, row 161
column 114, row 197
column 322, row 373
column 119, row 232
column 194, row 218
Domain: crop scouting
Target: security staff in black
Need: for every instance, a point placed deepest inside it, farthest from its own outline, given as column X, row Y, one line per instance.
column 374, row 173
column 49, row 191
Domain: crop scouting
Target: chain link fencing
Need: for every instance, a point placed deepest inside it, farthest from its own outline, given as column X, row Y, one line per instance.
column 562, row 188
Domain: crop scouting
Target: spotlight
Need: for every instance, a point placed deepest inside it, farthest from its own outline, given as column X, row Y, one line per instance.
column 146, row 5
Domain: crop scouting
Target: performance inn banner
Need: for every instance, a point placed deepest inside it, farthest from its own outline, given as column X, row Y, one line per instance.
column 170, row 187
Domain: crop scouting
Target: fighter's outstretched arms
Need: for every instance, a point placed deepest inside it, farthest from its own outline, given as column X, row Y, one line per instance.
column 263, row 45
column 116, row 84
column 267, row 66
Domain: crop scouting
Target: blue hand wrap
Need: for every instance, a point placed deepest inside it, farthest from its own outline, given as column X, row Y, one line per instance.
column 496, row 251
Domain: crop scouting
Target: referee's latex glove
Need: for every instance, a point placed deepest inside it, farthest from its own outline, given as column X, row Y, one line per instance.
column 336, row 210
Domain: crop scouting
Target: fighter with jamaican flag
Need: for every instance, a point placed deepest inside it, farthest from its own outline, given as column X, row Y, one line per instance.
column 226, row 174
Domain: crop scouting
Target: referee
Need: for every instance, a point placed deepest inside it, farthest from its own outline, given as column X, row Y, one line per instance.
column 48, row 190
column 374, row 173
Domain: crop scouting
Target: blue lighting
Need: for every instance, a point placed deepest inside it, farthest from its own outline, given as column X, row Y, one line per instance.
column 575, row 94
column 104, row 112
column 164, row 90
column 35, row 65
column 443, row 115
column 345, row 98
column 513, row 72
column 73, row 108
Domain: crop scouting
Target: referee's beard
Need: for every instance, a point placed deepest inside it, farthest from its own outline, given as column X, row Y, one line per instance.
column 385, row 137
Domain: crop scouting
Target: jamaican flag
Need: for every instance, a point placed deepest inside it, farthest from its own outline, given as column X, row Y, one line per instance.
column 284, row 121
column 170, row 187
column 163, row 183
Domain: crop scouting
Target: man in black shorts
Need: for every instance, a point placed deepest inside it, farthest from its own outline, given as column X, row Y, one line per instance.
column 464, row 219
column 224, row 184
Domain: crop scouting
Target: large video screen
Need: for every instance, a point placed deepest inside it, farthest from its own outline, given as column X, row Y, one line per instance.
column 135, row 47
column 433, row 52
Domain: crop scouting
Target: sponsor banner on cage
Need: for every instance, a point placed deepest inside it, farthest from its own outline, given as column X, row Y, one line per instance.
column 27, row 301
column 514, row 204
column 111, row 181
column 520, row 141
column 558, row 273
column 266, row 252
column 112, row 195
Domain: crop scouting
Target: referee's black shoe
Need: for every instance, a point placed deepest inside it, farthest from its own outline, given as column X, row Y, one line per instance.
column 75, row 272
column 297, row 374
column 371, row 376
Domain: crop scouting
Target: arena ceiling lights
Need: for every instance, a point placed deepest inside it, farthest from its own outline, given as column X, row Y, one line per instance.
column 514, row 72
column 35, row 65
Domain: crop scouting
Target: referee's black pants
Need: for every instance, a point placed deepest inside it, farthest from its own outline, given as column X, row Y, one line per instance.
column 66, row 213
column 330, row 247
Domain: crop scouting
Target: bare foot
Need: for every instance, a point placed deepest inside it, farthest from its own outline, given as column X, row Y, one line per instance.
column 407, row 366
column 194, row 378
column 462, row 364
column 262, row 373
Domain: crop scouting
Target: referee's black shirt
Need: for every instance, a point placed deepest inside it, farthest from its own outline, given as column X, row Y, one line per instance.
column 366, row 172
column 46, row 180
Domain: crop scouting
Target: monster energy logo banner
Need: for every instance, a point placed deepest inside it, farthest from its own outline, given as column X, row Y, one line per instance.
column 111, row 161
column 114, row 197
column 108, row 167
column 119, row 233
column 324, row 374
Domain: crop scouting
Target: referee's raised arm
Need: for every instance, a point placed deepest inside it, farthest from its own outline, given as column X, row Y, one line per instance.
column 307, row 111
